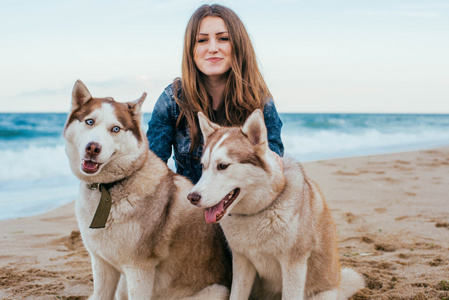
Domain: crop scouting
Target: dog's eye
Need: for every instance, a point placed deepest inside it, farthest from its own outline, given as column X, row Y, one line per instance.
column 115, row 129
column 90, row 122
column 222, row 166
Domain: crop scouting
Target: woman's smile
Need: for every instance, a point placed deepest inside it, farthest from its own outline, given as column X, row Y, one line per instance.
column 214, row 59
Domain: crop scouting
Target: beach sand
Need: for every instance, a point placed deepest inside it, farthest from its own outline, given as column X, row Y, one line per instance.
column 391, row 213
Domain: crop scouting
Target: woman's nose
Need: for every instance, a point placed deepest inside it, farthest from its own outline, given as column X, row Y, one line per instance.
column 213, row 46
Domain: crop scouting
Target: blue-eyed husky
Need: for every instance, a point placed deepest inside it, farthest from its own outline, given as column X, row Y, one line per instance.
column 132, row 210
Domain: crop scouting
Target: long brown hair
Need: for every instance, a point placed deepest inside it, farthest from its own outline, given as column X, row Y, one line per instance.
column 245, row 89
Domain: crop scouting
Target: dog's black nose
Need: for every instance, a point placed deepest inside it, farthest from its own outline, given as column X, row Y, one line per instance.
column 93, row 148
column 194, row 198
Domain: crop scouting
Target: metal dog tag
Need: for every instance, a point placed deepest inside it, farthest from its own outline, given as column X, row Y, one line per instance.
column 103, row 209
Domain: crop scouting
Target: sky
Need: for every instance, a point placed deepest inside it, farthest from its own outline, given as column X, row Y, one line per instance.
column 359, row 56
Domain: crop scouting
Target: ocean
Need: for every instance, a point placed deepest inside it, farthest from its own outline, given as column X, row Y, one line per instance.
column 35, row 176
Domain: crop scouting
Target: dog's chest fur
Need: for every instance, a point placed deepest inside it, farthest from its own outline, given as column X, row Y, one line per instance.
column 271, row 228
column 104, row 242
column 137, row 215
column 263, row 238
column 273, row 233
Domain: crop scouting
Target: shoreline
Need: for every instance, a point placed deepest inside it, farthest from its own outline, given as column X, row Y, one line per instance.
column 391, row 212
column 355, row 154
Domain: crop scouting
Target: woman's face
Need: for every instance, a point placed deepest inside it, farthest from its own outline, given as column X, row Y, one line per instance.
column 212, row 54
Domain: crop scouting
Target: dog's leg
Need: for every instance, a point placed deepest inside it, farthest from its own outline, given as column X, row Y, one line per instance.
column 243, row 277
column 293, row 277
column 105, row 279
column 215, row 291
column 122, row 289
column 140, row 282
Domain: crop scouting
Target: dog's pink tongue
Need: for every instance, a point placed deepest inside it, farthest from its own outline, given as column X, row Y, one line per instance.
column 88, row 164
column 212, row 213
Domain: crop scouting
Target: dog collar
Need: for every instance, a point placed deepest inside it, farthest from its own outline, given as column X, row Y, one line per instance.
column 104, row 207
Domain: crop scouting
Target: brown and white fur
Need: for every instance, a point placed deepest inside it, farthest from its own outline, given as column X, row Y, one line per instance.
column 277, row 223
column 154, row 237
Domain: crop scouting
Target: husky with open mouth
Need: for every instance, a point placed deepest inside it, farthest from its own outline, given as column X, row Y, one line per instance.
column 277, row 223
column 132, row 210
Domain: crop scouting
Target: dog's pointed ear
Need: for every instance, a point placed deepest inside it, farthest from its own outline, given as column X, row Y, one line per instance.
column 80, row 95
column 255, row 129
column 206, row 126
column 136, row 105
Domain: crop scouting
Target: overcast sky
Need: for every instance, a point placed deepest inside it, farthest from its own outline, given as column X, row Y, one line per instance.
column 316, row 56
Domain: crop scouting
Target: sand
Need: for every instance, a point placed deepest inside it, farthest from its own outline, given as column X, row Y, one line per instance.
column 391, row 212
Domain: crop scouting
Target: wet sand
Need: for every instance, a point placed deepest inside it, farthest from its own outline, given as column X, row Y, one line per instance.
column 391, row 212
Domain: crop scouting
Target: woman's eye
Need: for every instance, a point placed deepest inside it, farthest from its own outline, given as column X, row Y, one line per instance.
column 115, row 129
column 200, row 41
column 225, row 39
column 90, row 122
column 222, row 166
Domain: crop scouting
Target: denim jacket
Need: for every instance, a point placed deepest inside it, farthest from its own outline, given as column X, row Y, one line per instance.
column 162, row 135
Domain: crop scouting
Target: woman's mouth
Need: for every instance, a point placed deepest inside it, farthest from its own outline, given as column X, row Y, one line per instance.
column 214, row 59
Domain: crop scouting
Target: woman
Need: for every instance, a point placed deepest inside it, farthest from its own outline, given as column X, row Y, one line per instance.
column 220, row 77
